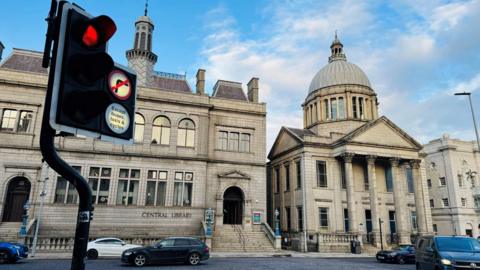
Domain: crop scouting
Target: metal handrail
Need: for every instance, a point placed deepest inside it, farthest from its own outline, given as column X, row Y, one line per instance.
column 241, row 237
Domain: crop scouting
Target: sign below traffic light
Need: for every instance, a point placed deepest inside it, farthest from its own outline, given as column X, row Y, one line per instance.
column 92, row 95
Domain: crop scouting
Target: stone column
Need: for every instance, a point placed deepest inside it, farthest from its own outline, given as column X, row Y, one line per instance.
column 400, row 202
column 352, row 213
column 419, row 199
column 374, row 209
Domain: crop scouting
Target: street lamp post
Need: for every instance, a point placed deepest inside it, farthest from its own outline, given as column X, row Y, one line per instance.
column 380, row 221
column 473, row 114
column 277, row 229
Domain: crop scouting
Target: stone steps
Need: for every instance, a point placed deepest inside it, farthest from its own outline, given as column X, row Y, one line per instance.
column 9, row 231
column 227, row 239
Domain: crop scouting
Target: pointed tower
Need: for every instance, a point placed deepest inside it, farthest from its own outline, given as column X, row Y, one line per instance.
column 141, row 58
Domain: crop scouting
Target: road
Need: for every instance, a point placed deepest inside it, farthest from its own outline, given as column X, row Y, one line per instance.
column 222, row 264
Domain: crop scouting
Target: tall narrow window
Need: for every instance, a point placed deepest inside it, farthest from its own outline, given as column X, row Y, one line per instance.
column 333, row 111
column 443, row 182
column 156, row 188
column 341, row 108
column 128, row 183
column 445, row 202
column 277, row 180
column 300, row 218
column 323, row 214
column 182, row 192
column 392, row 222
column 233, row 141
column 343, row 177
column 345, row 220
column 139, row 128
column 389, row 179
column 222, row 140
column 413, row 216
column 245, row 142
column 321, row 174
column 299, row 174
column 354, row 107
column 326, row 109
column 142, row 41
column 64, row 191
column 8, row 120
column 99, row 181
column 432, row 203
column 186, row 133
column 24, row 121
column 366, row 184
column 360, row 107
column 460, row 180
column 161, row 130
column 429, row 183
column 409, row 177
column 287, row 177
column 368, row 220
column 288, row 214
column 315, row 112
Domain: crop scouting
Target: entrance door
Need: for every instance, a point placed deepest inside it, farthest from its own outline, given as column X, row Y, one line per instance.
column 233, row 206
column 18, row 192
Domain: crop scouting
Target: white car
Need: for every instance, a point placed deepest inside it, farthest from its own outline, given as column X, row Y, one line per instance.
column 107, row 247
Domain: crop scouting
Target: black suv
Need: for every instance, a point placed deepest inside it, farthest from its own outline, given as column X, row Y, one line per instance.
column 447, row 252
column 170, row 250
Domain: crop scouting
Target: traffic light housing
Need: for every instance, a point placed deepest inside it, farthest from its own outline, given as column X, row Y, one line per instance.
column 92, row 96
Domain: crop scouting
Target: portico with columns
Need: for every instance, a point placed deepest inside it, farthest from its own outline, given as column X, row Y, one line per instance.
column 353, row 173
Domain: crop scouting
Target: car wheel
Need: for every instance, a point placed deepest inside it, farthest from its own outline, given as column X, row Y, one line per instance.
column 401, row 260
column 194, row 258
column 4, row 256
column 140, row 260
column 92, row 254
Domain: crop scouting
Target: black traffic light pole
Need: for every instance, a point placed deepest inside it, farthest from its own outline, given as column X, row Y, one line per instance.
column 51, row 156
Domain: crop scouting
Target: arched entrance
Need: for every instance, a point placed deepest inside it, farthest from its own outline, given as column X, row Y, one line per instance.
column 233, row 206
column 18, row 191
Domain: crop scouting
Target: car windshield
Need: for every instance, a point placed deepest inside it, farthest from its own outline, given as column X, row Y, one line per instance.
column 456, row 244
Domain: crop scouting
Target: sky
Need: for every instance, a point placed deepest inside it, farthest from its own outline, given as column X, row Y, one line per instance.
column 417, row 54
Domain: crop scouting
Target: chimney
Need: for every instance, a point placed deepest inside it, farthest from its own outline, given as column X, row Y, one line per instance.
column 1, row 50
column 253, row 90
column 201, row 81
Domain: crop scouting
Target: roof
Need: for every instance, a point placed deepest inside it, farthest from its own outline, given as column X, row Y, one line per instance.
column 25, row 60
column 300, row 132
column 229, row 90
column 161, row 81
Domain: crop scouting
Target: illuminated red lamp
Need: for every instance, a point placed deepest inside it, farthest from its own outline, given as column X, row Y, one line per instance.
column 98, row 31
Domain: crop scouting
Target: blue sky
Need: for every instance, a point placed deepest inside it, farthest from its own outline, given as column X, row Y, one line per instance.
column 416, row 53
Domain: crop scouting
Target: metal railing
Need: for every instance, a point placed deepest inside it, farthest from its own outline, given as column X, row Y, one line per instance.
column 241, row 237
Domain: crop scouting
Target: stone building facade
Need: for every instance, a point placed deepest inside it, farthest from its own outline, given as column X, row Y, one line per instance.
column 453, row 183
column 192, row 152
column 347, row 171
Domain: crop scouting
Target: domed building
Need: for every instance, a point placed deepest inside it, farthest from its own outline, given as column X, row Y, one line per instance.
column 348, row 174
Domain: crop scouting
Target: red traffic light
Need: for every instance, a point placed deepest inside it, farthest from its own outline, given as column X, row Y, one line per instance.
column 98, row 31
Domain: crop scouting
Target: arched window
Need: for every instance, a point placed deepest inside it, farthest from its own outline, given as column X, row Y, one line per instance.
column 139, row 128
column 186, row 133
column 161, row 130
column 142, row 41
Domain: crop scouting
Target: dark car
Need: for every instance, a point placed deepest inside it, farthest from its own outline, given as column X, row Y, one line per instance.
column 12, row 252
column 170, row 250
column 402, row 254
column 447, row 252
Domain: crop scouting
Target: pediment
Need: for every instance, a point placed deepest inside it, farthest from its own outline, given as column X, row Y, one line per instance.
column 234, row 174
column 285, row 140
column 382, row 132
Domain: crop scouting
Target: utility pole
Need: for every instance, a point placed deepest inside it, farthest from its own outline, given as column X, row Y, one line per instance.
column 38, row 216
column 473, row 114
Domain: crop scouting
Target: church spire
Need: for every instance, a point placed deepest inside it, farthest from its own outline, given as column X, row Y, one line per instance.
column 337, row 50
column 146, row 8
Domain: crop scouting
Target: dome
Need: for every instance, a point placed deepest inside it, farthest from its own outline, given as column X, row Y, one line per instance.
column 338, row 72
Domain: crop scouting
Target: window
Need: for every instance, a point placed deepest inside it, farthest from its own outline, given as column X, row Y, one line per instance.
column 300, row 218
column 182, row 242
column 287, row 177
column 326, row 109
column 389, row 179
column 156, row 188
column 233, row 141
column 343, row 177
column 413, row 216
column 24, row 121
column 432, row 203
column 277, row 180
column 429, row 183
column 445, row 202
column 99, row 181
column 354, row 107
column 161, row 130
column 409, row 176
column 460, row 180
column 464, row 202
column 321, row 174
column 392, row 222
column 128, row 185
column 182, row 193
column 245, row 142
column 345, row 220
column 299, row 174
column 366, row 185
column 323, row 214
column 360, row 107
column 476, row 201
column 333, row 111
column 443, row 181
column 222, row 140
column 8, row 120
column 435, row 229
column 139, row 127
column 66, row 192
column 368, row 220
column 341, row 108
column 287, row 212
column 186, row 133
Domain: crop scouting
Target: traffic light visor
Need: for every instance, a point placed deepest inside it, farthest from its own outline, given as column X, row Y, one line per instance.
column 98, row 31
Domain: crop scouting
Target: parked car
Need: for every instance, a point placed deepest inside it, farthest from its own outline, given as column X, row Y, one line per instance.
column 402, row 254
column 170, row 250
column 107, row 247
column 12, row 252
column 447, row 252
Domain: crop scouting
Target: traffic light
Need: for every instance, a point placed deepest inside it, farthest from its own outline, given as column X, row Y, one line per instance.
column 92, row 95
